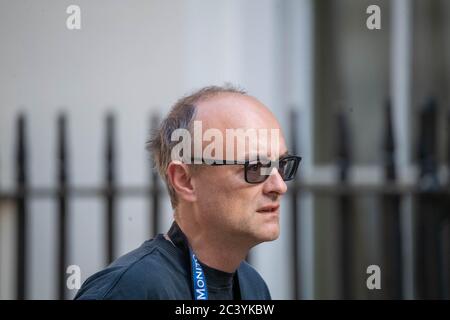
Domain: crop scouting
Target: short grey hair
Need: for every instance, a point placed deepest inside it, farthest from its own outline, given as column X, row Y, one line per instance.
column 181, row 116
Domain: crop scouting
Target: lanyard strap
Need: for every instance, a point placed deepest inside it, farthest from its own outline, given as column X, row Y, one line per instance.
column 199, row 287
column 198, row 279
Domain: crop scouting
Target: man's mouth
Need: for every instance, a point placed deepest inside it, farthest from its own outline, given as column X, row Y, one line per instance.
column 269, row 208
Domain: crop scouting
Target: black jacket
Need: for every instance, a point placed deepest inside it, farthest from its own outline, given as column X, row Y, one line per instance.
column 160, row 270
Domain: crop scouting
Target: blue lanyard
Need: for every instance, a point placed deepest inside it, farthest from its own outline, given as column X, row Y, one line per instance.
column 198, row 279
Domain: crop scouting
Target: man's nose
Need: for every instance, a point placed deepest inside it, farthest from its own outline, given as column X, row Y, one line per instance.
column 275, row 183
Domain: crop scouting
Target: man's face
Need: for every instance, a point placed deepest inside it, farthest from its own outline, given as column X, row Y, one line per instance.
column 225, row 201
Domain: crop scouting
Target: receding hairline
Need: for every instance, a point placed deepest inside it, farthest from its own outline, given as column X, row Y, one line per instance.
column 209, row 97
column 206, row 105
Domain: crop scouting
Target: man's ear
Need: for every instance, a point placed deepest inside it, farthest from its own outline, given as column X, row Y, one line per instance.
column 179, row 177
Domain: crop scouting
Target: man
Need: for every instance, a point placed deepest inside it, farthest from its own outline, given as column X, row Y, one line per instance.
column 222, row 206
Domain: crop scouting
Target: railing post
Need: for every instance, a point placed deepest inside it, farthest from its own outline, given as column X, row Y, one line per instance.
column 62, row 205
column 110, row 187
column 428, row 207
column 294, row 212
column 155, row 188
column 345, row 214
column 391, row 231
column 445, row 239
column 22, row 206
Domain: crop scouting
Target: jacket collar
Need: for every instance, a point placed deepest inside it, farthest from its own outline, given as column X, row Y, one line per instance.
column 179, row 240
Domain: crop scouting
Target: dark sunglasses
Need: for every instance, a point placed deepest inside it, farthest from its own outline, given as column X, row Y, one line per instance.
column 257, row 171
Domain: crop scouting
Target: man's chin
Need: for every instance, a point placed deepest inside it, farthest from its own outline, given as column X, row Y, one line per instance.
column 270, row 233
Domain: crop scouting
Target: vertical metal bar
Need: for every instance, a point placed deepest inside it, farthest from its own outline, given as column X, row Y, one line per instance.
column 445, row 239
column 448, row 149
column 445, row 261
column 444, row 227
column 62, row 205
column 22, row 223
column 428, row 205
column 392, row 253
column 294, row 213
column 155, row 188
column 110, row 187
column 345, row 214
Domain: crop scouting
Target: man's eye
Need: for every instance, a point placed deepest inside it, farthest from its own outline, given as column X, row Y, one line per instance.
column 254, row 167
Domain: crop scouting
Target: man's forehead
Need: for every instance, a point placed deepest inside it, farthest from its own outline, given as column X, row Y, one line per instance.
column 267, row 156
column 234, row 111
column 245, row 144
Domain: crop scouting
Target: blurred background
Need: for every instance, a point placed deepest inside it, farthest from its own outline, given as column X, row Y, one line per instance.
column 368, row 110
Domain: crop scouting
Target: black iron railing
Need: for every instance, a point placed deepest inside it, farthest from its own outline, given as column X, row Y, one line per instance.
column 431, row 207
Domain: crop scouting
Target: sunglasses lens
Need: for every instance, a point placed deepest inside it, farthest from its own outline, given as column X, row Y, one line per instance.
column 287, row 168
column 254, row 172
column 258, row 172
